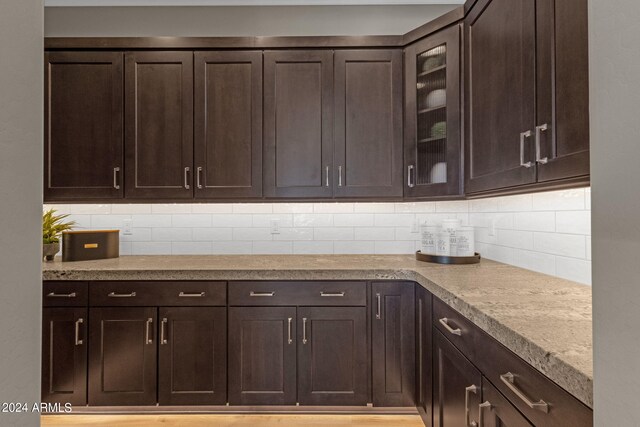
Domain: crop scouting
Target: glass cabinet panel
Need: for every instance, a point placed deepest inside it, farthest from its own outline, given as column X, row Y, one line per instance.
column 433, row 111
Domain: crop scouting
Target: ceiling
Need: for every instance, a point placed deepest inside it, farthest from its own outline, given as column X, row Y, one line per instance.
column 242, row 2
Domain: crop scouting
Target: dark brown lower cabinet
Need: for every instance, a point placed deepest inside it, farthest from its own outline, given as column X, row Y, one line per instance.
column 456, row 385
column 192, row 356
column 262, row 355
column 424, row 354
column 64, row 355
column 333, row 357
column 122, row 356
column 496, row 411
column 393, row 343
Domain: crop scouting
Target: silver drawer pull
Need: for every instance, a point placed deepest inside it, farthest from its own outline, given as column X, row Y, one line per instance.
column 78, row 322
column 481, row 407
column 471, row 389
column 331, row 294
column 289, row 339
column 191, row 295
column 147, row 338
column 510, row 381
column 378, row 306
column 163, row 338
column 304, row 330
column 261, row 294
column 114, row 295
column 445, row 322
column 54, row 295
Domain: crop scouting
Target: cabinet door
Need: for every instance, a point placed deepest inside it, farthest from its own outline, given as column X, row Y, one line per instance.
column 159, row 124
column 456, row 385
column 393, row 344
column 562, row 89
column 500, row 38
column 424, row 354
column 228, row 130
column 262, row 355
column 433, row 165
column 83, row 125
column 496, row 411
column 368, row 123
column 64, row 355
column 192, row 356
column 333, row 359
column 298, row 123
column 122, row 356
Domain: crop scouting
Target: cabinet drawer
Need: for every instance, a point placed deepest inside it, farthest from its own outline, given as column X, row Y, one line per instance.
column 64, row 294
column 525, row 387
column 188, row 293
column 310, row 293
column 457, row 328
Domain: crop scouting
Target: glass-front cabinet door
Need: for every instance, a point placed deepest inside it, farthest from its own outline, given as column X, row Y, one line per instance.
column 433, row 116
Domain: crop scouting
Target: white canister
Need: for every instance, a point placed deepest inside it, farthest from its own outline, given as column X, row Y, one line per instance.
column 451, row 224
column 465, row 241
column 428, row 236
column 443, row 244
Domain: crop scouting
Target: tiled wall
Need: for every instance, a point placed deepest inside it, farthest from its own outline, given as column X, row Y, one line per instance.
column 546, row 232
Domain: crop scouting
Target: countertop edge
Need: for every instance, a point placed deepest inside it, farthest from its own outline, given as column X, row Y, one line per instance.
column 577, row 383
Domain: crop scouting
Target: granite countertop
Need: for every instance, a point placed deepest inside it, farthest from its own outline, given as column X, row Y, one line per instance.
column 545, row 320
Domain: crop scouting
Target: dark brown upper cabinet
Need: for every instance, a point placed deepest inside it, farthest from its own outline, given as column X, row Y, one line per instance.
column 526, row 93
column 298, row 124
column 393, row 343
column 83, row 126
column 368, row 123
column 333, row 366
column 228, row 124
column 192, row 356
column 562, row 89
column 432, row 145
column 159, row 125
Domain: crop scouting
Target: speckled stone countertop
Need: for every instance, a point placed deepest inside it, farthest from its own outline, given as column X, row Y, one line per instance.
column 545, row 320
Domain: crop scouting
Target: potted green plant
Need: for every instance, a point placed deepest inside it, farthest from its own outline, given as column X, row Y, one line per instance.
column 52, row 226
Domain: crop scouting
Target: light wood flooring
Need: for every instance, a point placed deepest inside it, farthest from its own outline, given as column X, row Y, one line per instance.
column 235, row 420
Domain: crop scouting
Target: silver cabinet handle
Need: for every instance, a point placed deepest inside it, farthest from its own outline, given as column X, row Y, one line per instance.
column 339, row 176
column 445, row 322
column 199, row 177
column 524, row 135
column 54, row 295
column 116, row 185
column 483, row 405
column 192, row 295
column 326, row 169
column 510, row 381
column 471, row 389
column 378, row 306
column 539, row 130
column 114, row 295
column 163, row 339
column 331, row 294
column 261, row 294
column 410, row 183
column 289, row 339
column 148, row 331
column 78, row 322
column 304, row 330
column 186, row 178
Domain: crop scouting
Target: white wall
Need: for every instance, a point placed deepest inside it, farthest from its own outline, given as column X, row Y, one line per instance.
column 545, row 232
column 21, row 120
column 615, row 159
column 238, row 21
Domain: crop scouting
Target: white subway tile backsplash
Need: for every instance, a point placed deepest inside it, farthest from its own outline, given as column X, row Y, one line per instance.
column 535, row 221
column 82, row 222
column 574, row 222
column 312, row 248
column 546, row 232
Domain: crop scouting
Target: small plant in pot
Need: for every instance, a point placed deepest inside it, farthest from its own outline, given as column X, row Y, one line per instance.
column 52, row 226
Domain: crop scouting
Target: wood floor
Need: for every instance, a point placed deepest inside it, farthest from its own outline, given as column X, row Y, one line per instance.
column 199, row 420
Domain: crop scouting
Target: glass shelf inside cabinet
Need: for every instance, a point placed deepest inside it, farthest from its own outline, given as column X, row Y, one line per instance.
column 431, row 167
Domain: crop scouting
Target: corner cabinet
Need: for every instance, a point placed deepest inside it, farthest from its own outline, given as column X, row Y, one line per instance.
column 83, row 155
column 526, row 94
column 432, row 142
